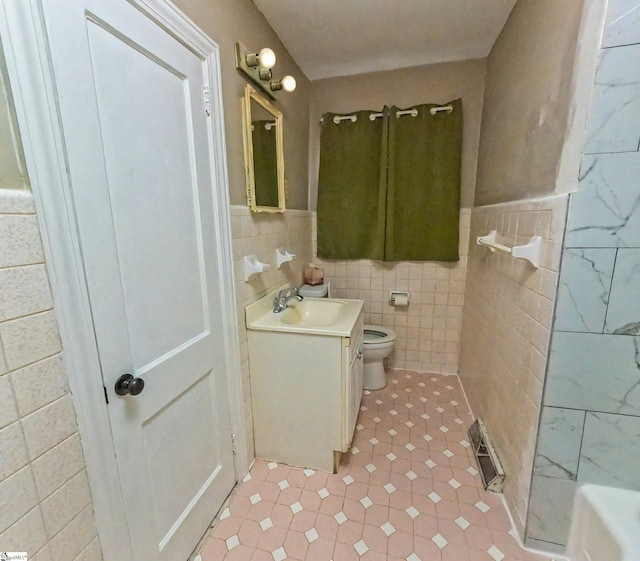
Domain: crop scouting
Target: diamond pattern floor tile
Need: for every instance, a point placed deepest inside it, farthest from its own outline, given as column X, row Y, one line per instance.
column 408, row 490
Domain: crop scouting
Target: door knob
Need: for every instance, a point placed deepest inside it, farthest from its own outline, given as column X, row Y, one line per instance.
column 128, row 385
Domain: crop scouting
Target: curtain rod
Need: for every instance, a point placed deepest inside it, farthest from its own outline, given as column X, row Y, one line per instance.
column 373, row 116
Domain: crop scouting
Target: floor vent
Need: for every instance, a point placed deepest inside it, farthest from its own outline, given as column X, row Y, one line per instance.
column 488, row 462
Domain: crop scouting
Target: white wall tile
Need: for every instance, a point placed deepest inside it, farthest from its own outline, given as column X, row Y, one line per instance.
column 623, row 312
column 604, row 212
column 29, row 339
column 66, row 503
column 49, row 426
column 622, row 26
column 25, row 291
column 74, row 538
column 559, row 441
column 583, row 293
column 610, row 453
column 36, row 411
column 91, row 553
column 27, row 534
column 614, row 115
column 8, row 410
column 39, row 384
column 594, row 372
column 16, row 201
column 43, row 555
column 21, row 241
column 55, row 467
column 19, row 491
column 3, row 362
column 550, row 509
column 13, row 450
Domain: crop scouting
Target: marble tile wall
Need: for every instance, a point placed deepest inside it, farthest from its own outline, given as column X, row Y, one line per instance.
column 42, row 468
column 260, row 234
column 505, row 333
column 429, row 329
column 590, row 423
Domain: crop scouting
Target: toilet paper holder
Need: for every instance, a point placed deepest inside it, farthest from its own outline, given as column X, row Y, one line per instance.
column 398, row 298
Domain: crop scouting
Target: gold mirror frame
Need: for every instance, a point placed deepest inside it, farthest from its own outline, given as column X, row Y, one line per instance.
column 247, row 137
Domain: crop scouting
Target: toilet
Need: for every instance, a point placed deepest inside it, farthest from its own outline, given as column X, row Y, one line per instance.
column 378, row 344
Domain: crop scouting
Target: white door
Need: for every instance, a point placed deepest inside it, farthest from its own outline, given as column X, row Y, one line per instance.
column 139, row 149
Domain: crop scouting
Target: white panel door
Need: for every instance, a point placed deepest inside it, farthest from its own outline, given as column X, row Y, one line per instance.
column 139, row 148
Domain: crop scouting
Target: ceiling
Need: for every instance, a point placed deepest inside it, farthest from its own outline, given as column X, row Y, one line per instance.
column 341, row 37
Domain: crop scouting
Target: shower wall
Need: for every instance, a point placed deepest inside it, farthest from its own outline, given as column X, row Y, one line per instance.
column 590, row 425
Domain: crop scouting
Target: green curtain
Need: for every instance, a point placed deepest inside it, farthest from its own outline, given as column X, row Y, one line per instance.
column 352, row 187
column 423, row 190
column 265, row 167
column 389, row 188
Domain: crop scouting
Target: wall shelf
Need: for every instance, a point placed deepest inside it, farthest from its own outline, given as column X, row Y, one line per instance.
column 529, row 251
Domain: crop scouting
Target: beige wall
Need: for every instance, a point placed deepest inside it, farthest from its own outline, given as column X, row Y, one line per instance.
column 239, row 20
column 508, row 310
column 529, row 102
column 44, row 491
column 437, row 83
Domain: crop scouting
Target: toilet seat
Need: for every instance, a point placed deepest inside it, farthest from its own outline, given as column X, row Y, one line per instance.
column 378, row 335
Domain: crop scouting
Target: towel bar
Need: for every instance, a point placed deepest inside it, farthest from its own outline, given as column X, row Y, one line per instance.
column 529, row 251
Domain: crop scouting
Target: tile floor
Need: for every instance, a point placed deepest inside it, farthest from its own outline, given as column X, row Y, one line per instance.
column 407, row 490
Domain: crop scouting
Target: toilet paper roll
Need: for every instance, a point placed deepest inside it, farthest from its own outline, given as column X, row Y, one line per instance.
column 401, row 300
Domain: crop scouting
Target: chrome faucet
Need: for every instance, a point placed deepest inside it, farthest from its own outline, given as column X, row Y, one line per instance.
column 282, row 299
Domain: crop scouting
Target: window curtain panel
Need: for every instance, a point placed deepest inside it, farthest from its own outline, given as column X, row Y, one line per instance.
column 352, row 187
column 423, row 185
column 265, row 165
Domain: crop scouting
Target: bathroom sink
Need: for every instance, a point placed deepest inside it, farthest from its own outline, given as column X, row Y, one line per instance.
column 320, row 316
column 320, row 313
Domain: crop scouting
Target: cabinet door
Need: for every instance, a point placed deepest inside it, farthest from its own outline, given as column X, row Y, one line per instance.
column 354, row 382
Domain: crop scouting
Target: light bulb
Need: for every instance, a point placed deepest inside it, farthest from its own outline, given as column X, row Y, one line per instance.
column 267, row 58
column 288, row 83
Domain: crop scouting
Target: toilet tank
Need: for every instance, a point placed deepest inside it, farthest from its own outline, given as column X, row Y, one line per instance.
column 324, row 290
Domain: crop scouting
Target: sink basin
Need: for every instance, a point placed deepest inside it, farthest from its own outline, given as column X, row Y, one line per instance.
column 319, row 316
column 313, row 313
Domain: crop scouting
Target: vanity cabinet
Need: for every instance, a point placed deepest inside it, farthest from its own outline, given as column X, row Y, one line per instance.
column 306, row 389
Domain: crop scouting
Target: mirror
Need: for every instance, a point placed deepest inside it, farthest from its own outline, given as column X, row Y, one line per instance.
column 263, row 153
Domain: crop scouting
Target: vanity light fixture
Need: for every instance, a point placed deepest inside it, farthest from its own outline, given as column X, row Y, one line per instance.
column 265, row 58
column 288, row 84
column 257, row 67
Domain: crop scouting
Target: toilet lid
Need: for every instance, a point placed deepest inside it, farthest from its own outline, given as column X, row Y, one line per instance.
column 378, row 334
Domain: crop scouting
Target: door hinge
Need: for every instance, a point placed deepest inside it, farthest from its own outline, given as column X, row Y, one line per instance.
column 106, row 397
column 207, row 101
column 233, row 444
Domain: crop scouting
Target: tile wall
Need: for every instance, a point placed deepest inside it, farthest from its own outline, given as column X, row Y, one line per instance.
column 260, row 234
column 429, row 328
column 590, row 425
column 42, row 469
column 505, row 333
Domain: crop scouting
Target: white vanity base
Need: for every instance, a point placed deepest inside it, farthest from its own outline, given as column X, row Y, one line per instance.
column 306, row 390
